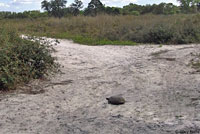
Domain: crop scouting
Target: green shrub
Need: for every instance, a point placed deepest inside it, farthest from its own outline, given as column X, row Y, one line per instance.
column 22, row 59
column 159, row 34
column 136, row 13
column 187, row 31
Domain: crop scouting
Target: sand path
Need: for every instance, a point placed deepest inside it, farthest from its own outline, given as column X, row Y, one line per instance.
column 161, row 89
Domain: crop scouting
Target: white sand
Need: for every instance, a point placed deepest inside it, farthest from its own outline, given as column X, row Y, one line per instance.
column 162, row 93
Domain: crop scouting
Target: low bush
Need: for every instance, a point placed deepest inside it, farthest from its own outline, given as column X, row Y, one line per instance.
column 22, row 59
column 159, row 34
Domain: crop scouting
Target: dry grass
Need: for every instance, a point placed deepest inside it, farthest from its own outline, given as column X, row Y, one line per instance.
column 174, row 29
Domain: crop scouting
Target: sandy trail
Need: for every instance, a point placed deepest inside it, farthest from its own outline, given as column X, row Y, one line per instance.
column 162, row 93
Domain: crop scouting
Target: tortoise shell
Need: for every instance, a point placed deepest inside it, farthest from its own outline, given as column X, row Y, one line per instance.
column 116, row 100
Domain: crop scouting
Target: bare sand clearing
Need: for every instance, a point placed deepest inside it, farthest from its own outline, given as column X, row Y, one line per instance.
column 162, row 93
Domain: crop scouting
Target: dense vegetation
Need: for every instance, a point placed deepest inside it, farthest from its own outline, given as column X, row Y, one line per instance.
column 105, row 29
column 22, row 59
column 57, row 8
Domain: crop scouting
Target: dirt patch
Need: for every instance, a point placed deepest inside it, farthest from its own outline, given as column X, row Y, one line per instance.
column 162, row 95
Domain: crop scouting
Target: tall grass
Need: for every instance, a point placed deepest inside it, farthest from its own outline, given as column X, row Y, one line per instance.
column 105, row 29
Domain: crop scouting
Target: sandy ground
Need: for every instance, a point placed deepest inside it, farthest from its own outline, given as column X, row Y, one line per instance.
column 162, row 93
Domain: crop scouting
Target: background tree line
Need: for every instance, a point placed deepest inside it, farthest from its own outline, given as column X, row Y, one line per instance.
column 57, row 8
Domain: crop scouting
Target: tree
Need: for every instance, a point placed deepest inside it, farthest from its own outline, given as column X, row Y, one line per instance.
column 188, row 5
column 116, row 11
column 75, row 7
column 94, row 7
column 148, row 9
column 46, row 6
column 171, row 9
column 129, row 9
column 112, row 10
column 54, row 7
column 198, row 6
column 159, row 9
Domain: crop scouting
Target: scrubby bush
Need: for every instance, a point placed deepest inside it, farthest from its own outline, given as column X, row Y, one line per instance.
column 136, row 13
column 22, row 59
column 159, row 34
